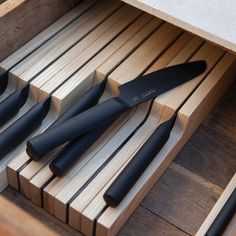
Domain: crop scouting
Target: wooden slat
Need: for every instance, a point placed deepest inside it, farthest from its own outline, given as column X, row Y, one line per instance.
column 22, row 20
column 42, row 177
column 14, row 221
column 217, row 207
column 110, row 216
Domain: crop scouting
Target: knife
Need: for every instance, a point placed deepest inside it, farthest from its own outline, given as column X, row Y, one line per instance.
column 131, row 94
column 138, row 164
column 3, row 81
column 223, row 218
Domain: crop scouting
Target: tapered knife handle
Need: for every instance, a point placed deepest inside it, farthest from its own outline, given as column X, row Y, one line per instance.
column 3, row 81
column 10, row 106
column 84, row 122
column 226, row 214
column 131, row 173
column 89, row 99
column 74, row 150
column 23, row 127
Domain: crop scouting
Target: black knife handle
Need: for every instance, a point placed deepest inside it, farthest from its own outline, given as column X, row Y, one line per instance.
column 11, row 105
column 3, row 81
column 82, row 123
column 226, row 214
column 131, row 173
column 89, row 99
column 23, row 127
column 74, row 150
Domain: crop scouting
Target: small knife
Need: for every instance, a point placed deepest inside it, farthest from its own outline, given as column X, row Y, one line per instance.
column 132, row 93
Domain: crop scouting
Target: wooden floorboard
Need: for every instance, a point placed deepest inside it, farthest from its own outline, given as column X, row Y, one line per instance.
column 179, row 202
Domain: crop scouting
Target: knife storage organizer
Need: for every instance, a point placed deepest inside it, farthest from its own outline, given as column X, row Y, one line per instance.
column 98, row 40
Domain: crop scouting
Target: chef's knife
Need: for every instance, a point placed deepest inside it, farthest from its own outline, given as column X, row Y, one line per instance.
column 131, row 94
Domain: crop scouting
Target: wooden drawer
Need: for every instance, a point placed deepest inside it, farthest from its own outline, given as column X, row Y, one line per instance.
column 94, row 41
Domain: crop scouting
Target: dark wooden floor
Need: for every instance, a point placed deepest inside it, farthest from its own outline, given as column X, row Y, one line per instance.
column 180, row 201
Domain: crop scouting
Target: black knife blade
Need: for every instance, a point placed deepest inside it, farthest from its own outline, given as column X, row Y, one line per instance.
column 131, row 94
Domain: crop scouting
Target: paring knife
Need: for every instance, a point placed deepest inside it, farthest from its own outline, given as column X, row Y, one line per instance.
column 131, row 94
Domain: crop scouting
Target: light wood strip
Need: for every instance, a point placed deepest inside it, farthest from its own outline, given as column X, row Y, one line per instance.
column 123, row 52
column 43, row 36
column 79, row 204
column 21, row 20
column 208, row 93
column 217, row 207
column 55, row 47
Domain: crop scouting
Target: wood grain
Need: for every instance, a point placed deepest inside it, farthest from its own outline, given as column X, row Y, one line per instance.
column 16, row 222
column 208, row 156
column 24, row 19
column 180, row 189
column 144, row 222
column 38, row 213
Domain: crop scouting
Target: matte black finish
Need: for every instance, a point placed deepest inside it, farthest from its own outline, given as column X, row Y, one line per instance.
column 80, row 124
column 135, row 168
column 3, row 82
column 132, row 93
column 226, row 214
column 73, row 151
column 10, row 106
column 89, row 99
column 152, row 85
column 23, row 127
